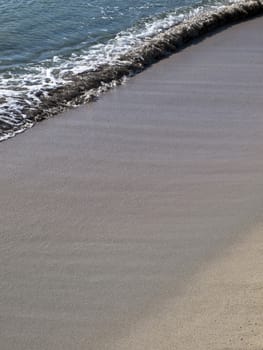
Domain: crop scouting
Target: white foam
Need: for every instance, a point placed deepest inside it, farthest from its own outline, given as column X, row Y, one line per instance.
column 18, row 89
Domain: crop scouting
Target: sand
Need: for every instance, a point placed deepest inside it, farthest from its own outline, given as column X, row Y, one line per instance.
column 116, row 217
column 222, row 308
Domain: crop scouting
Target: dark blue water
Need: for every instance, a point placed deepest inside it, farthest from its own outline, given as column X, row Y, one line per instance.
column 42, row 41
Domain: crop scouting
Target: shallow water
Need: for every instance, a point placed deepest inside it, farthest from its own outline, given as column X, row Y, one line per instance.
column 45, row 43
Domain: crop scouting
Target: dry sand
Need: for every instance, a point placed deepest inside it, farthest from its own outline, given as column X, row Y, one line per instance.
column 222, row 307
column 113, row 212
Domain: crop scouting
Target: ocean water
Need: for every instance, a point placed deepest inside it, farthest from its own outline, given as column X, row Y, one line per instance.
column 44, row 44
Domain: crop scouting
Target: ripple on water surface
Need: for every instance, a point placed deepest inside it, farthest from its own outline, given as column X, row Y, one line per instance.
column 46, row 44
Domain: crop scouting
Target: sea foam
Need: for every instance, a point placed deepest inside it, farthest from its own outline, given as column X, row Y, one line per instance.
column 40, row 90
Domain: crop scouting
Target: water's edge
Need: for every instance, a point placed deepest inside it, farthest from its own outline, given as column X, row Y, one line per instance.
column 85, row 86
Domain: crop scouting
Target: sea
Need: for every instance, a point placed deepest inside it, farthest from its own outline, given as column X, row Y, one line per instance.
column 46, row 44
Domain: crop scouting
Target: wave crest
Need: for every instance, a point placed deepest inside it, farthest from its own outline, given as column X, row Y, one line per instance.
column 85, row 86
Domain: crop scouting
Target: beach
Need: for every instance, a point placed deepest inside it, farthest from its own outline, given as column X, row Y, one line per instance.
column 221, row 308
column 135, row 222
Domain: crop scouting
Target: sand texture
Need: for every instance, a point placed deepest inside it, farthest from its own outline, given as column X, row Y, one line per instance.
column 113, row 211
column 221, row 309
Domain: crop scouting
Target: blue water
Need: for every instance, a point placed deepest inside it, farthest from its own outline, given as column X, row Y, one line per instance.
column 41, row 41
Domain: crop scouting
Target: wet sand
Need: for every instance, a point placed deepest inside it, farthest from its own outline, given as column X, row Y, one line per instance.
column 112, row 210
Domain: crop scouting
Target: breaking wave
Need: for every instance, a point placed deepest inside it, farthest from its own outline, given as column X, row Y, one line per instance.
column 37, row 91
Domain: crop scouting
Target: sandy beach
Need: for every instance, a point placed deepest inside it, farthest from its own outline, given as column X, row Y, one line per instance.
column 135, row 222
column 221, row 308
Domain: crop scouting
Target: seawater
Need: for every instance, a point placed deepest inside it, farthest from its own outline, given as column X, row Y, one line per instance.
column 44, row 43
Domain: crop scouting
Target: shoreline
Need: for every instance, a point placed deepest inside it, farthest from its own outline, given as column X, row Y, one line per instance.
column 111, row 209
column 88, row 85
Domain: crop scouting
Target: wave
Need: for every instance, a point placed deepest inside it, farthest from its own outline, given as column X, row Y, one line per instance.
column 21, row 109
